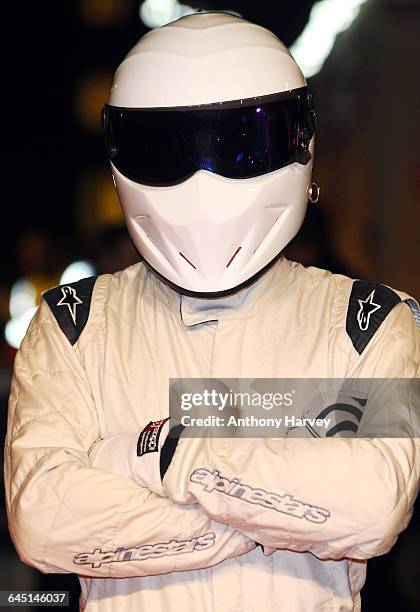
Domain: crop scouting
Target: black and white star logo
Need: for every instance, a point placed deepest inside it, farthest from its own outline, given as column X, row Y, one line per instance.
column 71, row 300
column 366, row 310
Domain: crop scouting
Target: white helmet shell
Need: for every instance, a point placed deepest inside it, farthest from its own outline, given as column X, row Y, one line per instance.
column 204, row 58
column 209, row 234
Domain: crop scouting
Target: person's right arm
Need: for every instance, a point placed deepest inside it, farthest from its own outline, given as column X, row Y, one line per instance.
column 66, row 515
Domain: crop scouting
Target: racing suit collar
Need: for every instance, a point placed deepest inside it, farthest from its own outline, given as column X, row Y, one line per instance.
column 243, row 304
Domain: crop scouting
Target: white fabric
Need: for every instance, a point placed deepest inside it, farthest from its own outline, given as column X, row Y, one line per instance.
column 119, row 455
column 67, row 515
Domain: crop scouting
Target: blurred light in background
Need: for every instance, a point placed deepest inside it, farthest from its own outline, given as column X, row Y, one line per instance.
column 156, row 13
column 103, row 13
column 22, row 306
column 77, row 270
column 327, row 19
column 91, row 93
column 22, row 297
column 15, row 329
column 97, row 201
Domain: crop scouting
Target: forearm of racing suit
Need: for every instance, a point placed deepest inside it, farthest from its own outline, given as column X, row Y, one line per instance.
column 66, row 515
column 336, row 498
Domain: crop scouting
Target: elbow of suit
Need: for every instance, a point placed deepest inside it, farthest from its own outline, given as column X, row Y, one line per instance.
column 26, row 538
column 388, row 519
column 387, row 496
column 28, row 558
column 28, row 534
column 26, row 547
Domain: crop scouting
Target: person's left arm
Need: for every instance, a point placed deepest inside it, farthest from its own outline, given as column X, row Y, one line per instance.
column 337, row 498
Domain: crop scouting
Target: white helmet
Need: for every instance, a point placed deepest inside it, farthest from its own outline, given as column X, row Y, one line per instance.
column 209, row 129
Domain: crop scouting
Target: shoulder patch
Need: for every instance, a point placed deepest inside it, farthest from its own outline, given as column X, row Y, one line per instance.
column 70, row 304
column 369, row 305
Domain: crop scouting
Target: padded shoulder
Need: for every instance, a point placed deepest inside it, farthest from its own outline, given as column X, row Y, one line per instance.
column 415, row 309
column 70, row 305
column 369, row 305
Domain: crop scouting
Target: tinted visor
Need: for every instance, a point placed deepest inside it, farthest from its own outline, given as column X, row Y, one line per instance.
column 239, row 139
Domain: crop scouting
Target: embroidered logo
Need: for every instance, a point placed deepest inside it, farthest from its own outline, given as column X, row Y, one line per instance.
column 148, row 441
column 366, row 310
column 71, row 300
column 98, row 557
column 288, row 504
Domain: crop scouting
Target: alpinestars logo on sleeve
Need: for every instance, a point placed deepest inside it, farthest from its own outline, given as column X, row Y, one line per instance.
column 366, row 310
column 98, row 557
column 71, row 300
column 280, row 502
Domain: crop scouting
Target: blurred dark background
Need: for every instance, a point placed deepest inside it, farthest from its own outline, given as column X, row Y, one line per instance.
column 60, row 207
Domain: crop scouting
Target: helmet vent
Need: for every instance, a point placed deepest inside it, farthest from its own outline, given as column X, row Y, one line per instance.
column 146, row 236
column 152, row 241
column 233, row 257
column 260, row 243
column 187, row 260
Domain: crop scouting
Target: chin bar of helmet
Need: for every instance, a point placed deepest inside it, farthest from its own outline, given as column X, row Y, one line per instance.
column 211, row 294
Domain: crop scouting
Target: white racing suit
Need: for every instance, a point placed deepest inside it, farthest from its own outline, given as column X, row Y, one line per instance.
column 94, row 368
